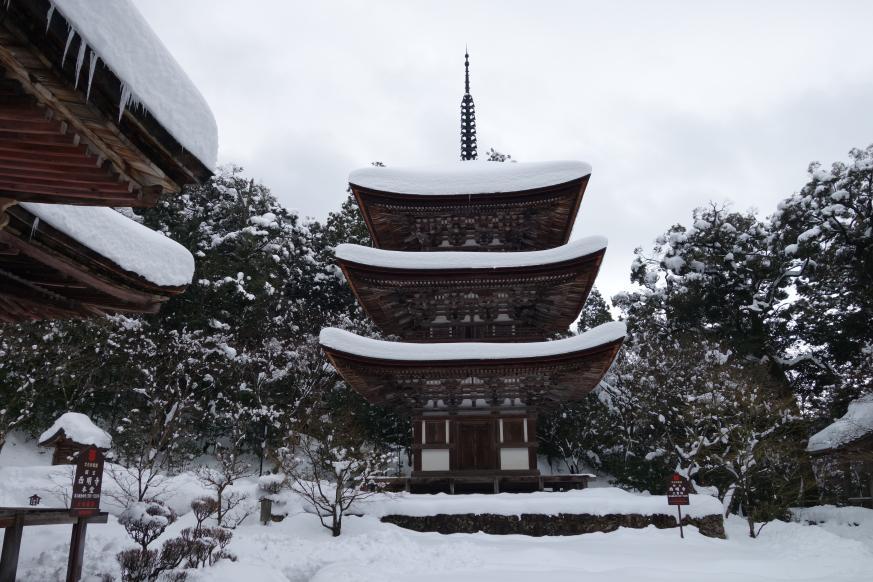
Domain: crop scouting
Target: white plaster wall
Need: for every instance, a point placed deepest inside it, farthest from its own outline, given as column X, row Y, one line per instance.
column 516, row 458
column 434, row 460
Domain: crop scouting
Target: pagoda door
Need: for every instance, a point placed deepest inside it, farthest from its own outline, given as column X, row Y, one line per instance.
column 475, row 446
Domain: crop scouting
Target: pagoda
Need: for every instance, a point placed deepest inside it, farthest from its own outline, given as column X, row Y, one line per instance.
column 473, row 268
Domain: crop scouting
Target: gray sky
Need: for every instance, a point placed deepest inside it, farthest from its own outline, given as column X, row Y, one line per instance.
column 673, row 103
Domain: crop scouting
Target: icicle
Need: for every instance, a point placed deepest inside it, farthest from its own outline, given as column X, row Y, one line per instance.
column 34, row 226
column 79, row 61
column 93, row 66
column 48, row 18
column 70, row 36
column 125, row 99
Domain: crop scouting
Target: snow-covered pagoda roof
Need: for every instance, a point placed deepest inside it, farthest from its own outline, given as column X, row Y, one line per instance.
column 470, row 260
column 407, row 375
column 350, row 343
column 447, row 296
column 469, row 177
column 104, row 115
column 856, row 424
column 471, row 206
column 62, row 261
column 78, row 428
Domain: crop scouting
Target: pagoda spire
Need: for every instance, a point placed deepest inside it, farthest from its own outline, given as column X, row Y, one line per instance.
column 468, row 116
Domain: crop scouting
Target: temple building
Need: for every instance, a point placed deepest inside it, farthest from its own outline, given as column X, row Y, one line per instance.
column 95, row 114
column 472, row 269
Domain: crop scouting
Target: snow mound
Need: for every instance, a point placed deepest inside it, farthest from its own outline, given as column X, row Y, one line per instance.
column 471, row 177
column 856, row 423
column 469, row 260
column 79, row 428
column 128, row 244
column 601, row 501
column 151, row 77
column 348, row 342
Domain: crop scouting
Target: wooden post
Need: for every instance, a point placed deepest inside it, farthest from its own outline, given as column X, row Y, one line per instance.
column 11, row 548
column 681, row 533
column 266, row 510
column 77, row 550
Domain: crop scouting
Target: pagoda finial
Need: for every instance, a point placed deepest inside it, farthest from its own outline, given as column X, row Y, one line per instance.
column 466, row 72
column 468, row 116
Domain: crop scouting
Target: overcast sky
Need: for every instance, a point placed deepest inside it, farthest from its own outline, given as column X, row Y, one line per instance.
column 673, row 103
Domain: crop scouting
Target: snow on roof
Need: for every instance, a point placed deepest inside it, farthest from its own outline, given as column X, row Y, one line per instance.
column 468, row 260
column 79, row 428
column 150, row 75
column 595, row 501
column 348, row 342
column 470, row 177
column 856, row 423
column 128, row 244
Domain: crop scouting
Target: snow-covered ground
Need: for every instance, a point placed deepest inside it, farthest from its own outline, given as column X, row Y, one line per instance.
column 298, row 549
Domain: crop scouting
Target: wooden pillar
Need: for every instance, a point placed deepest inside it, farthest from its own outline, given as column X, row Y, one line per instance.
column 77, row 550
column 11, row 548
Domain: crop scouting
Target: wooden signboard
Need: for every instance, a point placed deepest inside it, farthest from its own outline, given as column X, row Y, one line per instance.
column 87, row 482
column 678, row 490
column 677, row 494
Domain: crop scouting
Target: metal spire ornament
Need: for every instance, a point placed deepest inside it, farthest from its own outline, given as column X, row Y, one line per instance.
column 468, row 116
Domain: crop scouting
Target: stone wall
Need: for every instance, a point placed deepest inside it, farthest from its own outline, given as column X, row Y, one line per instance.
column 563, row 524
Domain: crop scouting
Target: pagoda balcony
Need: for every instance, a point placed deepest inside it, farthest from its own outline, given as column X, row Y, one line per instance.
column 471, row 206
column 412, row 377
column 450, row 296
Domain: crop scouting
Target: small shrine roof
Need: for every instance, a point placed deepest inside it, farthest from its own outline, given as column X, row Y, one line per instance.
column 469, row 177
column 856, row 424
column 78, row 428
column 468, row 260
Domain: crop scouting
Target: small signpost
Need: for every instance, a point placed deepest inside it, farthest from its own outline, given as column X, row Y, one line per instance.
column 84, row 509
column 677, row 494
column 87, row 483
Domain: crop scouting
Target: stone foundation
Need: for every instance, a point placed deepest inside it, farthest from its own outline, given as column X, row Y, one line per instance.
column 563, row 524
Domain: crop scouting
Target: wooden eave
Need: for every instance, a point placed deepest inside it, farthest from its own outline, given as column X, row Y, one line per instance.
column 539, row 382
column 69, row 143
column 551, row 211
column 556, row 294
column 45, row 274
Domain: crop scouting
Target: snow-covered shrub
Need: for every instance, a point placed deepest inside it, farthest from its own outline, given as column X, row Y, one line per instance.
column 203, row 508
column 332, row 473
column 230, row 509
column 145, row 521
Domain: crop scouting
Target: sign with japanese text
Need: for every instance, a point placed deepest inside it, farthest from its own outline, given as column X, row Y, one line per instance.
column 678, row 490
column 87, row 481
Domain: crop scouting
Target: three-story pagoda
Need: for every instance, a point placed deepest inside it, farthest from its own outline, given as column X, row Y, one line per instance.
column 471, row 267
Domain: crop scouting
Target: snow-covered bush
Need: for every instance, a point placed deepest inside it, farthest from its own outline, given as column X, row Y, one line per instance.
column 145, row 521
column 333, row 473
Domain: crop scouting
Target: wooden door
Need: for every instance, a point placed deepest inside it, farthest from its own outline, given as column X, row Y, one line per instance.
column 475, row 445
